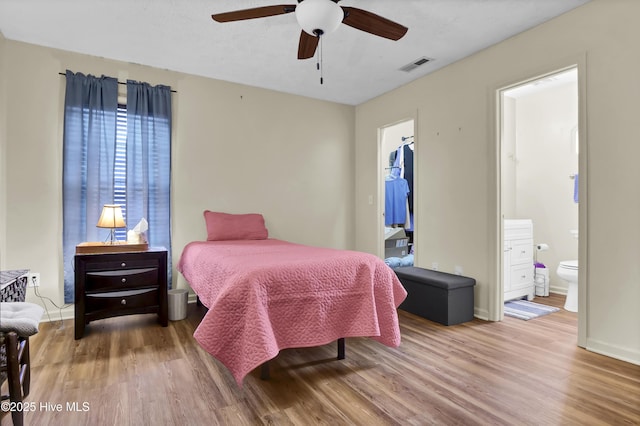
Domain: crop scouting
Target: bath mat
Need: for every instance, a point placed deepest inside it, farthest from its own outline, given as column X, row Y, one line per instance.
column 526, row 310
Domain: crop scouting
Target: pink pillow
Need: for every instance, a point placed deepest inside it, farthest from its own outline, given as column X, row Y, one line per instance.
column 224, row 226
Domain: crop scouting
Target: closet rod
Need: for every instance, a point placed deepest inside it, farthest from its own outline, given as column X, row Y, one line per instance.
column 404, row 138
column 120, row 82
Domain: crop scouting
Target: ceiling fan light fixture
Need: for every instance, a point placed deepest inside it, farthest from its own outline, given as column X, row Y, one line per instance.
column 319, row 17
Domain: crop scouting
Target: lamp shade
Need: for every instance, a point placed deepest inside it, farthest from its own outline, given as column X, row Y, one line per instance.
column 319, row 16
column 111, row 217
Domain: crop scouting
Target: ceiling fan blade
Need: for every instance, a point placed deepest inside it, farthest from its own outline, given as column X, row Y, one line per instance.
column 308, row 45
column 373, row 24
column 257, row 12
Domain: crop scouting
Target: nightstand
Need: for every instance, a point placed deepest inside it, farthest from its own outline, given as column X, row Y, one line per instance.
column 125, row 283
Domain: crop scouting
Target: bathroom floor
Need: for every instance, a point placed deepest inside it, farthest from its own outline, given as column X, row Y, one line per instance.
column 554, row 299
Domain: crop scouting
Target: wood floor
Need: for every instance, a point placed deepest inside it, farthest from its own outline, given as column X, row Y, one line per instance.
column 131, row 371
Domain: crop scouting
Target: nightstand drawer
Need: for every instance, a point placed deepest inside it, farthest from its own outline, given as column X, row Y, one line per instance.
column 120, row 264
column 121, row 279
column 122, row 300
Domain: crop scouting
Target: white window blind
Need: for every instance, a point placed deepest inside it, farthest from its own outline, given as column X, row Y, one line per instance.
column 120, row 168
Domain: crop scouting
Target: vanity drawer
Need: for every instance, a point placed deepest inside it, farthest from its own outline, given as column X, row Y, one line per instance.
column 117, row 300
column 521, row 251
column 121, row 279
column 521, row 276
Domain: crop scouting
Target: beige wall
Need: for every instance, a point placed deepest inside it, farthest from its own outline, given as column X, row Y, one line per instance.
column 236, row 149
column 3, row 143
column 457, row 159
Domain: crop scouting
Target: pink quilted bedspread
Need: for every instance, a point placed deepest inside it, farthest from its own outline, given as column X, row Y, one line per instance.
column 268, row 295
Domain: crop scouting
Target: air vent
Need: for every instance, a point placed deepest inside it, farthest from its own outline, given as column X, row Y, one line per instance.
column 415, row 64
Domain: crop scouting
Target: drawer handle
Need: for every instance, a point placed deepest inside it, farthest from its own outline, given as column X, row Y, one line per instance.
column 123, row 264
column 523, row 252
column 523, row 277
column 124, row 280
column 123, row 302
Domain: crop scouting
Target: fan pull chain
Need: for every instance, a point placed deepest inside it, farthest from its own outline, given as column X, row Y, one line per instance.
column 319, row 63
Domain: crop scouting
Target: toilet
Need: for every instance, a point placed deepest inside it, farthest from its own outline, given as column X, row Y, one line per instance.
column 568, row 271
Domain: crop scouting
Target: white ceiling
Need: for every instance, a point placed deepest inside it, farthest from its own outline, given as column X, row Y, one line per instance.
column 181, row 36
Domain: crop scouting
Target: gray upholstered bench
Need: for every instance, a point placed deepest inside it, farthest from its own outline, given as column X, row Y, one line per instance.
column 437, row 296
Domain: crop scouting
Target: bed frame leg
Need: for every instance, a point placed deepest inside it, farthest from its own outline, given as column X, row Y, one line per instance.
column 264, row 371
column 265, row 374
column 341, row 348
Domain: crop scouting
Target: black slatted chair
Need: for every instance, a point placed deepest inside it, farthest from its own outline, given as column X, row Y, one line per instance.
column 18, row 321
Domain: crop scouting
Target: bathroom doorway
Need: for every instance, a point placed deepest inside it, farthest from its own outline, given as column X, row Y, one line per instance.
column 398, row 201
column 539, row 180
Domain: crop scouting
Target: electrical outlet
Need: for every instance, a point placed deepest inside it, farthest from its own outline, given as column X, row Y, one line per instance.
column 34, row 279
column 434, row 266
column 458, row 270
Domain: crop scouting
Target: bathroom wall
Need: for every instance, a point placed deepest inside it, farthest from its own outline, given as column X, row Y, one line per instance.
column 508, row 158
column 545, row 158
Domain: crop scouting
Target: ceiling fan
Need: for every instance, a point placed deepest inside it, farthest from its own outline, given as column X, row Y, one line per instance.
column 318, row 18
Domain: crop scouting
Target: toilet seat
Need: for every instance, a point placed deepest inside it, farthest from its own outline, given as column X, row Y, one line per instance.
column 569, row 264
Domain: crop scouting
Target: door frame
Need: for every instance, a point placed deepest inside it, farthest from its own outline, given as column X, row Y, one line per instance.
column 496, row 302
column 382, row 175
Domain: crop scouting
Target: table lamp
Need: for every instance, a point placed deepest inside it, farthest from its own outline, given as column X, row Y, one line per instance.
column 111, row 217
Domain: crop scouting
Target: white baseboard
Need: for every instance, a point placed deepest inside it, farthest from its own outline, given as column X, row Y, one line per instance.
column 558, row 290
column 482, row 314
column 614, row 351
column 55, row 314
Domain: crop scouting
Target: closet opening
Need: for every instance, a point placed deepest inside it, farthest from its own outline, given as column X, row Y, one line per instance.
column 397, row 149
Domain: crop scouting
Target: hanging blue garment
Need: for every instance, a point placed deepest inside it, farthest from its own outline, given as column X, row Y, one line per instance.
column 395, row 201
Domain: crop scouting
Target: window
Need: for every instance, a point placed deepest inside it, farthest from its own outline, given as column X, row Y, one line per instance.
column 115, row 154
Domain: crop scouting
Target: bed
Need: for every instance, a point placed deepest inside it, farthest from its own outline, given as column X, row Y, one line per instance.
column 265, row 294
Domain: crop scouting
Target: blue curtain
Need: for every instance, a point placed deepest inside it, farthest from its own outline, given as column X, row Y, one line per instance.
column 149, row 162
column 88, row 159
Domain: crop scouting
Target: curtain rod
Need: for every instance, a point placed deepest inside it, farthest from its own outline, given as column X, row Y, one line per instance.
column 120, row 82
